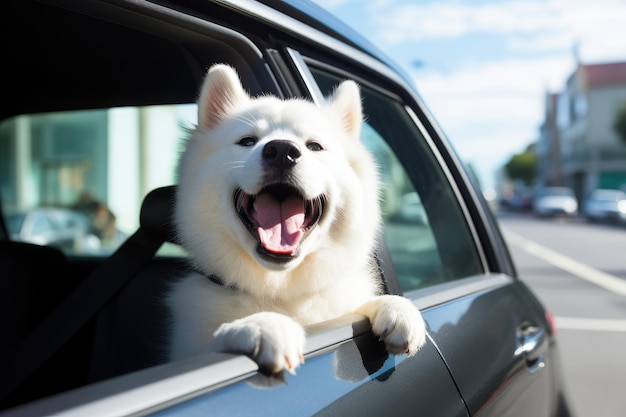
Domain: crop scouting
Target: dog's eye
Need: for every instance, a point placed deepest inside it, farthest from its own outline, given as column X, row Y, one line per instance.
column 314, row 146
column 247, row 141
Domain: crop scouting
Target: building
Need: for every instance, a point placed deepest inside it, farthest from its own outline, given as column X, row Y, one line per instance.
column 578, row 146
column 548, row 147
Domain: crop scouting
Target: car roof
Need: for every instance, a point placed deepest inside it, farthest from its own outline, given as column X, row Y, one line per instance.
column 550, row 191
column 608, row 193
column 319, row 18
column 67, row 47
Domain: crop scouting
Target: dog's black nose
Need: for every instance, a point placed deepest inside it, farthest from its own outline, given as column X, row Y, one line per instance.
column 281, row 153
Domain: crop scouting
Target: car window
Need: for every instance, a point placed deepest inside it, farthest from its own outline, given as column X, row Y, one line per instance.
column 75, row 180
column 424, row 227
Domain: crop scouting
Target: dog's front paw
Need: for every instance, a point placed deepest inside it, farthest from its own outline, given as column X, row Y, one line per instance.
column 397, row 322
column 274, row 341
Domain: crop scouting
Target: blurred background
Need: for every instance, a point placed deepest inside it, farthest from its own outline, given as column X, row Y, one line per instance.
column 527, row 91
column 532, row 94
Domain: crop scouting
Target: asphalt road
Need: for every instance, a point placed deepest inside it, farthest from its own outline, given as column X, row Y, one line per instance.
column 578, row 270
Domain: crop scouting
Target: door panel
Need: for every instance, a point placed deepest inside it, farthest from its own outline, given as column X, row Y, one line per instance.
column 496, row 344
column 357, row 378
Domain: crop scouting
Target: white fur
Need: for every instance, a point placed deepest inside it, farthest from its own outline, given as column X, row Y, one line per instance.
column 264, row 305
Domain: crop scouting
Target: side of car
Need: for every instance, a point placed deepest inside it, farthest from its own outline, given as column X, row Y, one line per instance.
column 605, row 205
column 491, row 350
column 555, row 201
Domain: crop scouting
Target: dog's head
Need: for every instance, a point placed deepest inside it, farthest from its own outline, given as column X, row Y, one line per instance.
column 271, row 182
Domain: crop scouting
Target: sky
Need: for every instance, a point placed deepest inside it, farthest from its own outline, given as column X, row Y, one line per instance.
column 484, row 67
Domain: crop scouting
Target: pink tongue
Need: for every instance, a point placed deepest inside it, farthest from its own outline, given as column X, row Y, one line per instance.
column 280, row 223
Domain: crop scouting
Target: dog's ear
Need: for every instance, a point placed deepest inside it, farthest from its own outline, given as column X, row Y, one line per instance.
column 346, row 102
column 221, row 91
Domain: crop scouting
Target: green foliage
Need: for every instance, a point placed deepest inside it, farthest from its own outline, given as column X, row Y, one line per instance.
column 523, row 166
column 619, row 125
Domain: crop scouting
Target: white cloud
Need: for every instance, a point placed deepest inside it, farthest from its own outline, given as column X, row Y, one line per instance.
column 541, row 42
column 584, row 20
column 491, row 110
column 492, row 92
column 527, row 25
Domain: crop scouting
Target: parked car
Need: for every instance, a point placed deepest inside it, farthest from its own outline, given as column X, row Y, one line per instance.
column 555, row 201
column 521, row 200
column 606, row 205
column 100, row 94
column 57, row 227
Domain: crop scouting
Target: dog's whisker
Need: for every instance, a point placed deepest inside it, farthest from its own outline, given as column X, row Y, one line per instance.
column 233, row 164
column 249, row 120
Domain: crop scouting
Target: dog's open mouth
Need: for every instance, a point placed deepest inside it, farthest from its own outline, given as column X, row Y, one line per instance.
column 280, row 218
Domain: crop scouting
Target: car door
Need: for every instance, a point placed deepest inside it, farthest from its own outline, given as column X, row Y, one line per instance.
column 451, row 261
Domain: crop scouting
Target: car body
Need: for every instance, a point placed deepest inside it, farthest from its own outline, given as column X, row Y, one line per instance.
column 605, row 205
column 555, row 201
column 100, row 97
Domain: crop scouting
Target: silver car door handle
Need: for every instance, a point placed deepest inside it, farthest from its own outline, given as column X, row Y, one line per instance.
column 531, row 346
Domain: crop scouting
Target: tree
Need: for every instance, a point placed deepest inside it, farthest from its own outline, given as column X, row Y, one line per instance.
column 619, row 125
column 523, row 166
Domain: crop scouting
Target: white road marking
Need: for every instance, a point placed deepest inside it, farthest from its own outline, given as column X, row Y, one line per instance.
column 586, row 324
column 574, row 267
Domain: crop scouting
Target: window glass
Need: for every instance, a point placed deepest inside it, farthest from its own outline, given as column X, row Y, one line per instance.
column 427, row 235
column 75, row 180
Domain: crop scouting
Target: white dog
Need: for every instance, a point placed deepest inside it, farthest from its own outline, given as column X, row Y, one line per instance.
column 277, row 205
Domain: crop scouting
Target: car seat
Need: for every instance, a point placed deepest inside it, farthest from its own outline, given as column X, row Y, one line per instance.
column 131, row 329
column 33, row 282
column 123, row 295
column 31, row 276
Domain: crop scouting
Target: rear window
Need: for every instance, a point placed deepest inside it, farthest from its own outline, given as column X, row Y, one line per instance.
column 75, row 180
